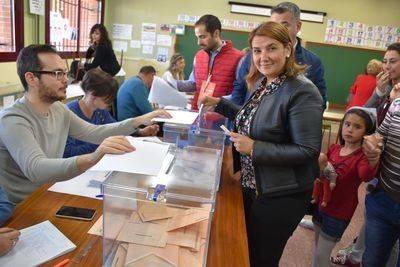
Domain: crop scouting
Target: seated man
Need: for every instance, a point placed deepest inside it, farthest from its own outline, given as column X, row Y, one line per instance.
column 34, row 130
column 100, row 89
column 132, row 97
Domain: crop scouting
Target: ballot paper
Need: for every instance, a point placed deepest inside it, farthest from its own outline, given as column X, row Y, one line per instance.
column 97, row 227
column 144, row 233
column 187, row 257
column 74, row 90
column 164, row 94
column 147, row 158
column 187, row 217
column 37, row 244
column 179, row 117
column 87, row 184
column 138, row 255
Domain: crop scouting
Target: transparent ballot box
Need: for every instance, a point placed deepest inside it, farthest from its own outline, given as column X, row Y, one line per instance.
column 161, row 220
column 205, row 132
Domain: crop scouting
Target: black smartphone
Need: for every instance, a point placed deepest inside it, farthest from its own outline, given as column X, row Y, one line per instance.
column 76, row 213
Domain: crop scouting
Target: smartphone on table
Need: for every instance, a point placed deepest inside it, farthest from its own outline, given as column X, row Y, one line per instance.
column 76, row 213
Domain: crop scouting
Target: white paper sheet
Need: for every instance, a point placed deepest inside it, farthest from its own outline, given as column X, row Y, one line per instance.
column 146, row 159
column 164, row 94
column 37, row 244
column 87, row 184
column 122, row 31
column 179, row 117
column 74, row 90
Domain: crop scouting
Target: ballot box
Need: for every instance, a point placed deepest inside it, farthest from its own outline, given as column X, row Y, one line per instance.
column 165, row 219
column 205, row 132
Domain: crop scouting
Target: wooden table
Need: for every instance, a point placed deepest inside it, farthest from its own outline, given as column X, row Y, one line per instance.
column 228, row 243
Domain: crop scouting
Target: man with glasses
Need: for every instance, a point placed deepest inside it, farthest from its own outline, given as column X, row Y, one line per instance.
column 34, row 130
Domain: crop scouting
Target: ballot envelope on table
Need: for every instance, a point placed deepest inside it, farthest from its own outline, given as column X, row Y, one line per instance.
column 163, row 219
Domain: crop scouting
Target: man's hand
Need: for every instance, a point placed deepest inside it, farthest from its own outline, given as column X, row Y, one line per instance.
column 115, row 145
column 242, row 143
column 111, row 145
column 8, row 239
column 151, row 130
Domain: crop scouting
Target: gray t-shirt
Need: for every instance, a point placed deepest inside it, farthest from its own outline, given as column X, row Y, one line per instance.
column 32, row 146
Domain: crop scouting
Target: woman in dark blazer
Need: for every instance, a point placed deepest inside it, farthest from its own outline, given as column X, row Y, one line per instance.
column 101, row 50
column 276, row 142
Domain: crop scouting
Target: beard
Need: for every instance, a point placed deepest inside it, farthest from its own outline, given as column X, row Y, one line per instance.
column 48, row 95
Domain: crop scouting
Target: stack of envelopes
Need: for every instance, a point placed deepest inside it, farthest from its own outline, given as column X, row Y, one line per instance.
column 161, row 235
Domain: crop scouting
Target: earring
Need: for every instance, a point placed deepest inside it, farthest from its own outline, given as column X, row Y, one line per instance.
column 287, row 55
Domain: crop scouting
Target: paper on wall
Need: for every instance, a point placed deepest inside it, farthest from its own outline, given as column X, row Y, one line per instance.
column 122, row 31
column 120, row 46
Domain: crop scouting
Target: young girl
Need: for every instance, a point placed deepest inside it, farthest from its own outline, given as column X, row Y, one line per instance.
column 352, row 168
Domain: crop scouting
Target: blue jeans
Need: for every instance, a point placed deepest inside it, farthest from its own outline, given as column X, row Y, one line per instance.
column 331, row 227
column 382, row 228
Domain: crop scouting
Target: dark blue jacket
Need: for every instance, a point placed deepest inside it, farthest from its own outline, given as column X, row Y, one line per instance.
column 315, row 73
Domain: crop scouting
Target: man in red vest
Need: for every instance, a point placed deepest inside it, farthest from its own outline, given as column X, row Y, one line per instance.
column 214, row 66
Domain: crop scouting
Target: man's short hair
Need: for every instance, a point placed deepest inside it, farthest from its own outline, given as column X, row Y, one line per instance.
column 287, row 7
column 28, row 60
column 211, row 22
column 147, row 70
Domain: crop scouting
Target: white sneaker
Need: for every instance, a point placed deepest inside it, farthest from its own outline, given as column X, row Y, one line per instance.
column 306, row 223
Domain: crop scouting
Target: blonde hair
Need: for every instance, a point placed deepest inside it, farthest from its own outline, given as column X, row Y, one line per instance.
column 374, row 66
column 178, row 75
column 280, row 33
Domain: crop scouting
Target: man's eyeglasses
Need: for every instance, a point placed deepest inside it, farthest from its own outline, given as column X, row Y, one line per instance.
column 59, row 74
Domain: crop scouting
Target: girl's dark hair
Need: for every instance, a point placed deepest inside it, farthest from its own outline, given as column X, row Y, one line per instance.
column 369, row 123
column 100, row 84
column 104, row 39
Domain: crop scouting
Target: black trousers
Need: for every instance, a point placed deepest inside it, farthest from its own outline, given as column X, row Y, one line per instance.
column 270, row 221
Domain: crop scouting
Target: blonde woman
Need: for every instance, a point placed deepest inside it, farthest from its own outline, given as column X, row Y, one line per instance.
column 175, row 70
column 364, row 85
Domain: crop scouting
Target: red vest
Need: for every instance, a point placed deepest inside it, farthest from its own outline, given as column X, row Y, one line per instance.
column 223, row 71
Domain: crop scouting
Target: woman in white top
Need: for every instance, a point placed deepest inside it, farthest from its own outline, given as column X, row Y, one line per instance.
column 175, row 70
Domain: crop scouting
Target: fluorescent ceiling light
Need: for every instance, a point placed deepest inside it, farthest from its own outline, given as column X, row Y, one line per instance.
column 263, row 10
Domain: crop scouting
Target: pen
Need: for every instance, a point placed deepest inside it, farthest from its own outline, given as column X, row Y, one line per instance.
column 100, row 196
column 171, row 164
column 62, row 263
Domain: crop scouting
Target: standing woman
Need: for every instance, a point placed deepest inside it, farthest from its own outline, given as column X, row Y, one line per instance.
column 276, row 142
column 101, row 50
column 175, row 70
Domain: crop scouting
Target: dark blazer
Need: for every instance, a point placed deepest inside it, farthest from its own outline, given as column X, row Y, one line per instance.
column 286, row 129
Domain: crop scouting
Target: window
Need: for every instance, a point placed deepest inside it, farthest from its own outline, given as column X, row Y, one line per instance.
column 68, row 23
column 11, row 29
